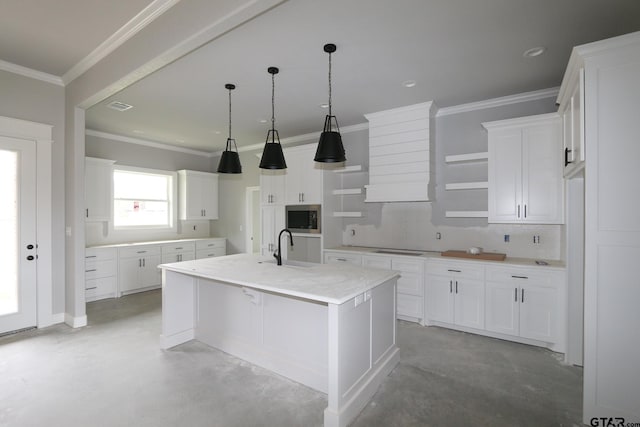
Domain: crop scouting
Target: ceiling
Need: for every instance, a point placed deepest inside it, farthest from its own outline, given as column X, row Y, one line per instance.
column 457, row 51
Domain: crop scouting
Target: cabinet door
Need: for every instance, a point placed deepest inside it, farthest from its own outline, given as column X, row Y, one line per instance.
column 469, row 303
column 376, row 262
column 539, row 313
column 440, row 298
column 210, row 197
column 272, row 187
column 505, row 175
column 128, row 274
column 98, row 179
column 542, row 183
column 303, row 179
column 150, row 274
column 502, row 308
column 272, row 221
column 198, row 195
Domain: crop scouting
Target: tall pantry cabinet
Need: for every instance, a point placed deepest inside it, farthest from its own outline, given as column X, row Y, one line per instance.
column 611, row 96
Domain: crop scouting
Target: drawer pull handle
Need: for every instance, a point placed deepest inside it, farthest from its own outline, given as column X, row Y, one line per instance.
column 89, row 271
column 210, row 244
column 178, row 248
column 88, row 289
column 141, row 252
column 450, row 286
column 341, row 259
column 91, row 256
column 520, row 277
column 516, row 295
column 455, row 271
column 522, row 296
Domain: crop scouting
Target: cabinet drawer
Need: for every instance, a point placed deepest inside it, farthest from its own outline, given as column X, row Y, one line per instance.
column 376, row 262
column 523, row 275
column 98, row 254
column 139, row 251
column 411, row 283
column 210, row 253
column 211, row 243
column 178, row 248
column 178, row 257
column 409, row 305
column 456, row 269
column 96, row 269
column 103, row 287
column 336, row 257
column 408, row 266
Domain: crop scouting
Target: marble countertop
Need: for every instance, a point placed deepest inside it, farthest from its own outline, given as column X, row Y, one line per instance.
column 155, row 242
column 509, row 261
column 328, row 283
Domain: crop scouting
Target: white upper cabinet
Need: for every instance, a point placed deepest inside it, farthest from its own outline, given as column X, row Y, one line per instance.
column 198, row 194
column 98, row 185
column 571, row 108
column 303, row 177
column 272, row 187
column 525, row 170
column 400, row 154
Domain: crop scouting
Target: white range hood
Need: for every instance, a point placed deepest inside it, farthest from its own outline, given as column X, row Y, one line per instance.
column 401, row 155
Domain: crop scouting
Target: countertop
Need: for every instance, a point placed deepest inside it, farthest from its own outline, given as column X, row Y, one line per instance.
column 328, row 283
column 509, row 261
column 155, row 242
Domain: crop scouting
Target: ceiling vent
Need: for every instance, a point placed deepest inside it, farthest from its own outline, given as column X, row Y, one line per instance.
column 119, row 106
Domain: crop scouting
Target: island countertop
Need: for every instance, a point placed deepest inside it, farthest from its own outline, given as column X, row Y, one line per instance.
column 329, row 283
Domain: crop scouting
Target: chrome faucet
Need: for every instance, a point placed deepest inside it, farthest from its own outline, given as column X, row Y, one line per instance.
column 278, row 255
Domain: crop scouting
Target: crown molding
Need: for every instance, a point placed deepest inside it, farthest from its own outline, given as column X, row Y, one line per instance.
column 31, row 73
column 498, row 102
column 128, row 30
column 146, row 143
column 299, row 138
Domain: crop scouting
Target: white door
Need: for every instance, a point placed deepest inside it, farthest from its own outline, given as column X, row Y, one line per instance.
column 18, row 305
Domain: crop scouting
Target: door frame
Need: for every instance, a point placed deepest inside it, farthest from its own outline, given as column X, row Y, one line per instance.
column 41, row 134
column 249, row 209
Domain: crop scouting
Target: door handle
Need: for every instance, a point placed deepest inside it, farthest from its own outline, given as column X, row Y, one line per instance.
column 516, row 295
column 525, row 211
column 518, row 211
column 450, row 286
column 456, row 286
column 30, row 258
column 522, row 296
column 566, row 157
column 30, row 247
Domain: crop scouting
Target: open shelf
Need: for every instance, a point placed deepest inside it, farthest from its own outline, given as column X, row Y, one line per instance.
column 346, row 191
column 347, row 214
column 467, row 214
column 467, row 185
column 469, row 157
column 347, row 169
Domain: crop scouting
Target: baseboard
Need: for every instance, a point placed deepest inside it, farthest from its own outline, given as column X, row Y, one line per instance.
column 75, row 322
column 58, row 318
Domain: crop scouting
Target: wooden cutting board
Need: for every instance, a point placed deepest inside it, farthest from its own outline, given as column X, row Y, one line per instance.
column 487, row 256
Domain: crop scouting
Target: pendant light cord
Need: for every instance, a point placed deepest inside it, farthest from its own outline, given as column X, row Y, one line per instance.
column 330, row 84
column 273, row 107
column 229, row 113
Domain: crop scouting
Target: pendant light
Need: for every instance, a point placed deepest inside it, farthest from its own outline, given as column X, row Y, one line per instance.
column 230, row 160
column 272, row 156
column 330, row 149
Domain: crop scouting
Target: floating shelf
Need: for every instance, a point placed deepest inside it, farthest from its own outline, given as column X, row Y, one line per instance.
column 467, row 214
column 347, row 214
column 347, row 169
column 347, row 191
column 469, row 157
column 467, row 185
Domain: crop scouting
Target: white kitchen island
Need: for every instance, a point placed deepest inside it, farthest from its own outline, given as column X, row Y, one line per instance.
column 330, row 327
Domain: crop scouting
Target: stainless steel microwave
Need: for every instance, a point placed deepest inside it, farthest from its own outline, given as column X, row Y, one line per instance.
column 303, row 218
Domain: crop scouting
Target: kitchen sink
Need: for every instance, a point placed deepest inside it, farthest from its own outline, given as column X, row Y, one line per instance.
column 392, row 252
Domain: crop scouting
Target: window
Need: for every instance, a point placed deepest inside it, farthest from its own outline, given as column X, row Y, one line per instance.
column 143, row 198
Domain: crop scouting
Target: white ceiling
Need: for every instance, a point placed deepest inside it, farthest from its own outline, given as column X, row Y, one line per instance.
column 458, row 51
column 52, row 36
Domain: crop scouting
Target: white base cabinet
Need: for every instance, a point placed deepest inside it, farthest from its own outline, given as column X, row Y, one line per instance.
column 138, row 268
column 209, row 248
column 100, row 273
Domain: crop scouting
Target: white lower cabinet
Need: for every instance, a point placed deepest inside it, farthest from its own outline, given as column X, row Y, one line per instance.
column 138, row 268
column 455, row 293
column 526, row 303
column 348, row 257
column 208, row 248
column 177, row 252
column 100, row 273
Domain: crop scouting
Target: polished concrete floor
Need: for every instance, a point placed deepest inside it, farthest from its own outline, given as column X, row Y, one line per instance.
column 112, row 373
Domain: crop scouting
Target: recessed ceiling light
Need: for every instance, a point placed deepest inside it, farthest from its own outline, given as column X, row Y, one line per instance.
column 409, row 83
column 534, row 51
column 324, row 105
column 119, row 106
column 263, row 120
column 180, row 140
column 138, row 131
column 217, row 132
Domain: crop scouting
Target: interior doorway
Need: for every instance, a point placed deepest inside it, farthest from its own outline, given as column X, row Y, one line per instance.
column 253, row 220
column 18, row 277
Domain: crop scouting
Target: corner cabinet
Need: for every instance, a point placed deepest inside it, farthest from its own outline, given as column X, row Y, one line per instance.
column 98, row 185
column 525, row 170
column 198, row 195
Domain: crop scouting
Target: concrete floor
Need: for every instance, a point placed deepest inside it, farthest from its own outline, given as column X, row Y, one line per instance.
column 112, row 373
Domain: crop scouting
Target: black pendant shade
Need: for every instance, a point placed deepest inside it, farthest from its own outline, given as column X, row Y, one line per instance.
column 330, row 148
column 230, row 160
column 272, row 155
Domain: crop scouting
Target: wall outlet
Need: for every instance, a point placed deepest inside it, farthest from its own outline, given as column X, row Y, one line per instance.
column 194, row 227
column 506, row 238
column 536, row 239
column 438, row 236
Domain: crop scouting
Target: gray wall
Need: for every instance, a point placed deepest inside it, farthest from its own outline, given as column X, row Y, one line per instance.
column 29, row 99
column 128, row 154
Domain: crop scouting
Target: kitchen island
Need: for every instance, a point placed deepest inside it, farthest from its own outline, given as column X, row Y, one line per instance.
column 330, row 327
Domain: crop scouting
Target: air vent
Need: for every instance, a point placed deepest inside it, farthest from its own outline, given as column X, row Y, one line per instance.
column 119, row 106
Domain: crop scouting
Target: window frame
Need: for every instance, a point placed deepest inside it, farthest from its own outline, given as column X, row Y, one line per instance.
column 172, row 194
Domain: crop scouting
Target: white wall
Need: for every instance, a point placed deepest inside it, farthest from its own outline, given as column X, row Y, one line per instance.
column 28, row 99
